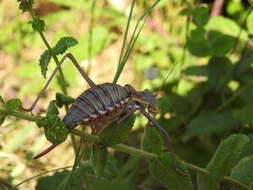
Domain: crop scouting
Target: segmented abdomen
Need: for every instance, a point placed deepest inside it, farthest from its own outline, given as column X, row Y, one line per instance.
column 99, row 105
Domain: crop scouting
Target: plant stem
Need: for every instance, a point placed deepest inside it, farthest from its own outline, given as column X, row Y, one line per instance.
column 21, row 115
column 62, row 85
column 39, row 175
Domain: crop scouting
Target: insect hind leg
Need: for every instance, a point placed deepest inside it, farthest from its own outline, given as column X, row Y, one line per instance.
column 71, row 57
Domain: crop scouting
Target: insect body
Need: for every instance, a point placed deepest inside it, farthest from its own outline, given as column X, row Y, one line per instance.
column 105, row 103
column 98, row 106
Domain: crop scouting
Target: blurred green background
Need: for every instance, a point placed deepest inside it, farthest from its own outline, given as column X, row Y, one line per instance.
column 208, row 60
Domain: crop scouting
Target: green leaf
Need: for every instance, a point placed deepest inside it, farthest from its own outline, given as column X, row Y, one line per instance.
column 63, row 44
column 52, row 181
column 62, row 180
column 13, row 104
column 38, row 25
column 219, row 43
column 197, row 44
column 244, row 114
column 98, row 184
column 44, row 60
column 226, row 26
column 250, row 23
column 62, row 99
column 186, row 11
column 99, row 158
column 152, row 140
column 223, row 161
column 162, row 169
column 201, row 15
column 248, row 148
column 122, row 184
column 234, row 8
column 52, row 109
column 25, row 5
column 207, row 122
column 243, row 65
column 218, row 70
column 243, row 171
column 55, row 130
column 198, row 35
column 113, row 134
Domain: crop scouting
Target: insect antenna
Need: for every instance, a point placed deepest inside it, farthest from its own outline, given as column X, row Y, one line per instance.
column 164, row 81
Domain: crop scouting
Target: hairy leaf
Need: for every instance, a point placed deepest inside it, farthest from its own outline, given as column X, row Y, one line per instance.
column 207, row 122
column 55, row 130
column 223, row 161
column 152, row 141
column 99, row 159
column 38, row 25
column 44, row 60
column 25, row 5
column 163, row 170
column 13, row 104
column 63, row 44
column 52, row 109
column 62, row 99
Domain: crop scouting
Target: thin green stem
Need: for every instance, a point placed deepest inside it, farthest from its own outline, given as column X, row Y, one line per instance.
column 21, row 115
column 62, row 85
column 39, row 175
column 236, row 95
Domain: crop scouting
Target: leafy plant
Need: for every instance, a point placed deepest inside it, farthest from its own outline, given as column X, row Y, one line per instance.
column 201, row 66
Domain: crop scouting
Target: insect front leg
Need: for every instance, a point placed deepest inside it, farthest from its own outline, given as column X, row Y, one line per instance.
column 154, row 122
column 71, row 57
